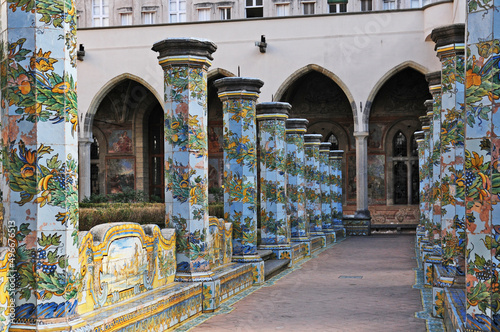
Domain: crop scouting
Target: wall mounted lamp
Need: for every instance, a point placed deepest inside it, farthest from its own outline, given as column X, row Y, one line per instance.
column 262, row 44
column 80, row 53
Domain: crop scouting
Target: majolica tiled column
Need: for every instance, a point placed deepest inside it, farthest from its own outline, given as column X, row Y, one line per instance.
column 40, row 165
column 239, row 96
column 419, row 137
column 296, row 183
column 185, row 62
column 450, row 50
column 426, row 170
column 336, row 187
column 313, row 189
column 482, row 174
column 427, row 240
column 275, row 228
column 434, row 80
column 326, row 194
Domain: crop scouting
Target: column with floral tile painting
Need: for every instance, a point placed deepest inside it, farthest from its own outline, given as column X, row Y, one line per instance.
column 313, row 189
column 482, row 175
column 185, row 62
column 419, row 137
column 450, row 50
column 434, row 80
column 275, row 228
column 239, row 97
column 336, row 188
column 295, row 154
column 324, row 177
column 40, row 160
column 424, row 173
column 432, row 251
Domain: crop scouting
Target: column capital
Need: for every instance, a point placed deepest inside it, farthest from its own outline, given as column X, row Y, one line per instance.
column 85, row 140
column 238, row 87
column 361, row 134
column 434, row 81
column 449, row 39
column 272, row 110
column 312, row 139
column 182, row 51
column 296, row 126
column 425, row 121
column 336, row 154
column 419, row 135
column 324, row 147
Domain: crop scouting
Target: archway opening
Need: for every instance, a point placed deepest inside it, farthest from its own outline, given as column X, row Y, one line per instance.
column 392, row 151
column 121, row 162
column 317, row 98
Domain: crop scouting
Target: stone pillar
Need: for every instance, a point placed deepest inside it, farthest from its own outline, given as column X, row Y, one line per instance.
column 239, row 96
column 40, row 160
column 313, row 189
column 296, row 182
column 482, row 174
column 275, row 227
column 434, row 80
column 336, row 185
column 450, row 50
column 362, row 174
column 185, row 62
column 326, row 194
column 84, row 189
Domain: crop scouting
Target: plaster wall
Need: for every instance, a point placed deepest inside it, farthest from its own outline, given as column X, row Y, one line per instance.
column 359, row 48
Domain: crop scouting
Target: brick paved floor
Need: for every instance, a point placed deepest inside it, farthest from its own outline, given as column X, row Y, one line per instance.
column 314, row 298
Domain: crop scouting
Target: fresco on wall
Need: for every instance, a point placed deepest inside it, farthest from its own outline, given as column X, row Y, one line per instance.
column 376, row 178
column 215, row 166
column 120, row 175
column 120, row 141
column 215, row 139
column 375, row 136
column 351, row 177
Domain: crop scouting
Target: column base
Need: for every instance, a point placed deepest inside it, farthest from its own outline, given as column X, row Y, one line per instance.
column 331, row 235
column 357, row 225
column 306, row 241
column 279, row 251
column 53, row 325
column 257, row 266
column 221, row 284
column 318, row 241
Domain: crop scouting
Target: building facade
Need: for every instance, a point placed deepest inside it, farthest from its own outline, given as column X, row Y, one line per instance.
column 359, row 78
column 99, row 13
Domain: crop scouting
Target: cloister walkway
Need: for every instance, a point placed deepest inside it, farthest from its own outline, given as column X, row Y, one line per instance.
column 359, row 284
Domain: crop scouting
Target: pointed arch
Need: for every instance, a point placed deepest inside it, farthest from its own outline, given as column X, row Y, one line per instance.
column 86, row 130
column 219, row 72
column 313, row 67
column 373, row 93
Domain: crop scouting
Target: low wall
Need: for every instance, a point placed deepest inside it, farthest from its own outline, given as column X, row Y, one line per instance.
column 122, row 260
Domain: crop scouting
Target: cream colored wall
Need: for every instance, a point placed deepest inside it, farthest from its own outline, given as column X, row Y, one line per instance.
column 360, row 49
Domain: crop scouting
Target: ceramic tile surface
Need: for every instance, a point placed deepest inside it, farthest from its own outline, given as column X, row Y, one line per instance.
column 272, row 140
column 186, row 157
column 240, row 165
column 296, row 181
column 452, row 139
column 481, row 171
column 325, row 187
column 40, row 186
column 312, row 175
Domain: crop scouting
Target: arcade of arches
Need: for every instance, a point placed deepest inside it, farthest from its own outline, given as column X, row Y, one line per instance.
column 127, row 148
